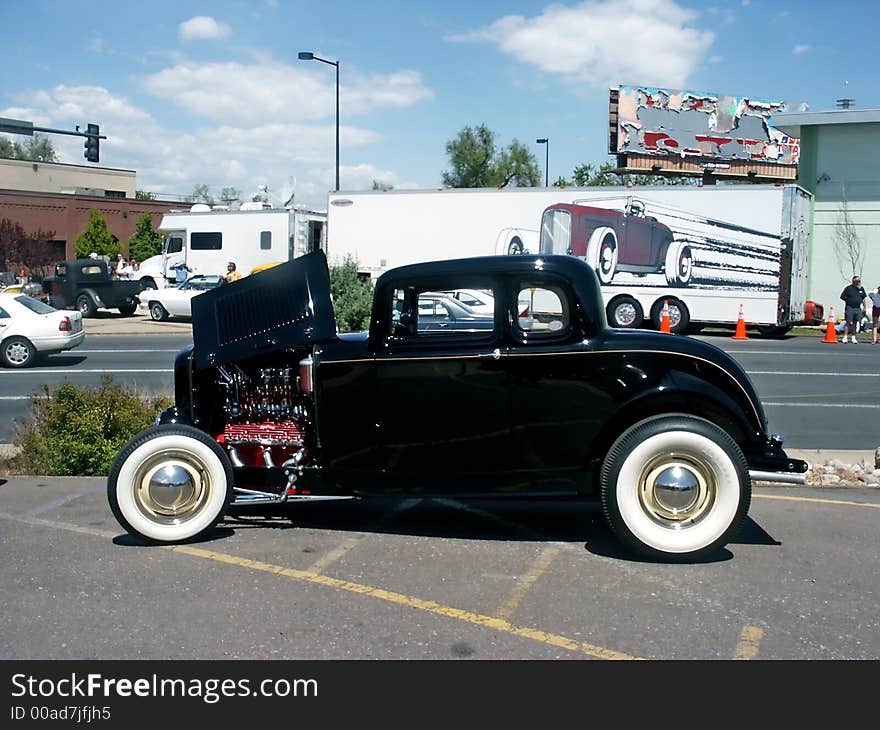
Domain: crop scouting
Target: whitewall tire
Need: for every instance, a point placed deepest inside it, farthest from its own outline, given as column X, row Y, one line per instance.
column 170, row 483
column 675, row 487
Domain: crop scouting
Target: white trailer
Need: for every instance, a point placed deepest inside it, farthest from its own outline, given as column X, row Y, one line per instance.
column 703, row 250
column 207, row 239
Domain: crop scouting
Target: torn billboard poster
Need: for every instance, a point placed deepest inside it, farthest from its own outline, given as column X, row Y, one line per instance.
column 688, row 123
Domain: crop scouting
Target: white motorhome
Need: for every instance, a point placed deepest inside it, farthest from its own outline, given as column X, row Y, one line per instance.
column 206, row 239
column 702, row 250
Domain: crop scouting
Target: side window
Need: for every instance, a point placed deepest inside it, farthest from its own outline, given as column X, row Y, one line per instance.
column 542, row 312
column 86, row 270
column 4, row 314
column 206, row 241
column 432, row 313
column 175, row 244
column 265, row 240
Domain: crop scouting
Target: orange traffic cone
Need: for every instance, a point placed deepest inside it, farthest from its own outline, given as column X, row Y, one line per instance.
column 830, row 332
column 664, row 318
column 740, row 333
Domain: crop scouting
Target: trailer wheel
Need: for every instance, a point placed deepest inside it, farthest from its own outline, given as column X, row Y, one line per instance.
column 624, row 312
column 679, row 316
column 771, row 332
column 679, row 266
column 602, row 253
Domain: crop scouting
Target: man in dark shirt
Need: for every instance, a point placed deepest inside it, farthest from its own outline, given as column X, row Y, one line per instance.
column 853, row 297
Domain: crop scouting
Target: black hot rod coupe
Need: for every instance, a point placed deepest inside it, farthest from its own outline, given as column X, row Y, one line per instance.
column 274, row 406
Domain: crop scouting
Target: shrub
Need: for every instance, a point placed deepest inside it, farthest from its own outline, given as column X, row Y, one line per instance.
column 352, row 296
column 78, row 430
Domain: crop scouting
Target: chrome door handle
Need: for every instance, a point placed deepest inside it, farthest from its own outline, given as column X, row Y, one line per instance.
column 495, row 354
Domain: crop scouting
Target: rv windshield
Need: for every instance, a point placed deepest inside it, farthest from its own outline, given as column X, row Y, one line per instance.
column 172, row 244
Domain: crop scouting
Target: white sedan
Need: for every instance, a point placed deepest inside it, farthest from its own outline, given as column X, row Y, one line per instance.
column 29, row 328
column 176, row 301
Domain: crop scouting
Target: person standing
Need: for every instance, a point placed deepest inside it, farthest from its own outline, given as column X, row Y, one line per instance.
column 853, row 297
column 874, row 296
column 232, row 274
column 181, row 272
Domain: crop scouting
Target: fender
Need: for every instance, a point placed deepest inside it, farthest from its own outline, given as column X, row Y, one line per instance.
column 92, row 294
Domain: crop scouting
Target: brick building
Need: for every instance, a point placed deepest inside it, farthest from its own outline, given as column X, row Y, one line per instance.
column 58, row 198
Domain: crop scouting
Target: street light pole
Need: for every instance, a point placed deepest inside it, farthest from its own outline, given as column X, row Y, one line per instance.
column 546, row 142
column 309, row 56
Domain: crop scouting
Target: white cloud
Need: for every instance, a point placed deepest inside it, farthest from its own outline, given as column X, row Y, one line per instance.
column 604, row 42
column 746, row 3
column 203, row 27
column 273, row 152
column 267, row 91
column 800, row 49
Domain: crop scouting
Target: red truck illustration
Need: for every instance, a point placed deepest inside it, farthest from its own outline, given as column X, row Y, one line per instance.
column 613, row 240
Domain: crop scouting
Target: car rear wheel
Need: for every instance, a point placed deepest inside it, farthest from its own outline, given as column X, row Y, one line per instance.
column 18, row 352
column 86, row 305
column 679, row 264
column 158, row 312
column 625, row 312
column 675, row 487
column 170, row 483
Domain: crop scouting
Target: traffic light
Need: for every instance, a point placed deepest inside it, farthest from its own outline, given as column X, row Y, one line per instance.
column 92, row 143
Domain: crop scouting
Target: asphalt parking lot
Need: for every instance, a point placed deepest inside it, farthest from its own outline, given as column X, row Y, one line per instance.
column 433, row 579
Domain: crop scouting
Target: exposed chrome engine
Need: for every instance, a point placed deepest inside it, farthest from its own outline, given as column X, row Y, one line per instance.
column 267, row 415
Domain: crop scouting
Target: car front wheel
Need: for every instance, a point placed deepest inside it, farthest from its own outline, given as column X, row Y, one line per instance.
column 158, row 312
column 675, row 487
column 170, row 483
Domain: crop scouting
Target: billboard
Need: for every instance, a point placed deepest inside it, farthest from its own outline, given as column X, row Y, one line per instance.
column 688, row 124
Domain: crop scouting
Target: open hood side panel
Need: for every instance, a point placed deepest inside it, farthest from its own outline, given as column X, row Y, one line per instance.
column 286, row 306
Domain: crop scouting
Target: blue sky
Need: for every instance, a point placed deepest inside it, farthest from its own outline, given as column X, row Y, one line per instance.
column 213, row 93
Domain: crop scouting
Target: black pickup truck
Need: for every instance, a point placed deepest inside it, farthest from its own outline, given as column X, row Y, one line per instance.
column 86, row 285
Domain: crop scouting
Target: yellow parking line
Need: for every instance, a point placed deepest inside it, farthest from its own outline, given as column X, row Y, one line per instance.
column 438, row 609
column 477, row 619
column 815, row 499
column 527, row 581
column 334, row 555
column 749, row 643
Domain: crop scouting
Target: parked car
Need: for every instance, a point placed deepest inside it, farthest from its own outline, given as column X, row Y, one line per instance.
column 30, row 328
column 176, row 301
column 87, row 285
column 442, row 312
column 273, row 406
column 479, row 301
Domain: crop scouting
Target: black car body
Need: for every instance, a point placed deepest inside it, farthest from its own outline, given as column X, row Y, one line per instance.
column 284, row 408
column 86, row 285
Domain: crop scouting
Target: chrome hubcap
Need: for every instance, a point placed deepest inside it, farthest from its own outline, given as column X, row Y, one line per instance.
column 677, row 490
column 172, row 487
column 625, row 314
column 17, row 353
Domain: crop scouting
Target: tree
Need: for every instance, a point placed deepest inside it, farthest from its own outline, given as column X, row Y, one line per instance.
column 849, row 250
column 230, row 195
column 352, row 296
column 38, row 148
column 201, row 193
column 144, row 195
column 34, row 251
column 379, row 185
column 589, row 175
column 146, row 241
column 96, row 238
column 477, row 163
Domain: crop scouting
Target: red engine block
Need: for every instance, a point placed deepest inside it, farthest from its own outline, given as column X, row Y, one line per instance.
column 286, row 433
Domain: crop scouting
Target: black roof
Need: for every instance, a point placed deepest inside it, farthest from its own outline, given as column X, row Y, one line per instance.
column 568, row 266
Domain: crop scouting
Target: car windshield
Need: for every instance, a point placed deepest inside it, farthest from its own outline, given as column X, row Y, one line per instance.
column 35, row 305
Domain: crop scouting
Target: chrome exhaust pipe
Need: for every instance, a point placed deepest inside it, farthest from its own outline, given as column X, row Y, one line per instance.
column 234, row 457
column 777, row 477
column 267, row 457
